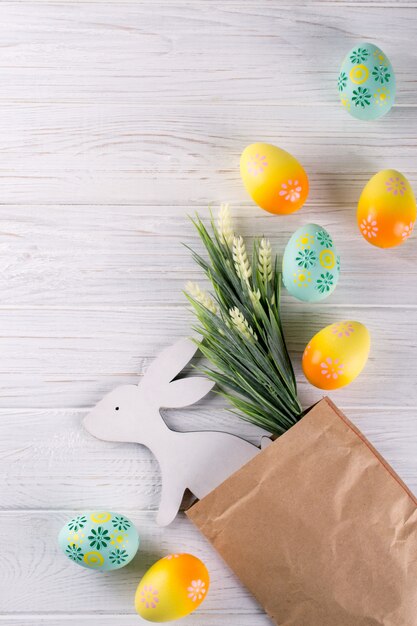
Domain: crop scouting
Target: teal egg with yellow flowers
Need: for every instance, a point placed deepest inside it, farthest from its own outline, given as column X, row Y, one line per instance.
column 311, row 264
column 99, row 540
column 366, row 82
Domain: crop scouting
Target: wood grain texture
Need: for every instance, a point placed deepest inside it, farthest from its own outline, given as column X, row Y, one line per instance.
column 42, row 581
column 42, row 450
column 200, row 619
column 70, row 358
column 259, row 52
column 123, row 153
column 119, row 119
column 113, row 256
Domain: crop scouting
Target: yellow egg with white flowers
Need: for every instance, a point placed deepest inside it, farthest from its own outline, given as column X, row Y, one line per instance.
column 336, row 355
column 172, row 588
column 387, row 209
column 273, row 178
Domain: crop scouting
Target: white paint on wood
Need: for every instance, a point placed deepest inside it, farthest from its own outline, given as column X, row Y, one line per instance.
column 40, row 579
column 198, row 619
column 47, row 460
column 117, row 120
column 71, row 358
column 118, row 256
column 262, row 53
column 141, row 154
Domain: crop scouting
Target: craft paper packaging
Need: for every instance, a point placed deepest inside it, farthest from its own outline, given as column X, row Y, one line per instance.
column 319, row 528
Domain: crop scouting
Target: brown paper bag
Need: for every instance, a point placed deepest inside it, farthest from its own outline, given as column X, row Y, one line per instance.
column 319, row 527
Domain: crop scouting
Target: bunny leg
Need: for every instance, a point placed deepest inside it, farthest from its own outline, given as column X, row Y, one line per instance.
column 171, row 498
column 265, row 442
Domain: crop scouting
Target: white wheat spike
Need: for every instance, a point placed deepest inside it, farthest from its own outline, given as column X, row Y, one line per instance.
column 255, row 296
column 201, row 296
column 241, row 324
column 265, row 260
column 240, row 258
column 224, row 224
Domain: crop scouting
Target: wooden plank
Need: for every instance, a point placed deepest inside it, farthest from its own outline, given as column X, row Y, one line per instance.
column 39, row 579
column 47, row 460
column 70, row 358
column 199, row 618
column 50, row 461
column 188, row 155
column 263, row 53
column 133, row 256
column 177, row 139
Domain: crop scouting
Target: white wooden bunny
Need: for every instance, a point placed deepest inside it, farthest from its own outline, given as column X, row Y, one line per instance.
column 199, row 461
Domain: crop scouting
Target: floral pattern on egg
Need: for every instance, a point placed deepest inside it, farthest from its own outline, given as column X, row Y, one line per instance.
column 291, row 190
column 387, row 210
column 327, row 259
column 366, row 82
column 257, row 164
column 342, row 329
column 77, row 523
column 172, row 588
column 336, row 355
column 99, row 540
column 396, row 185
column 149, row 597
column 196, row 590
column 331, row 368
column 274, row 179
column 325, row 283
column 311, row 265
column 306, row 258
column 408, row 229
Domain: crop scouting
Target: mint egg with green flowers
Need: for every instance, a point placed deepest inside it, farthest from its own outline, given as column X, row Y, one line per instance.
column 311, row 264
column 99, row 540
column 366, row 82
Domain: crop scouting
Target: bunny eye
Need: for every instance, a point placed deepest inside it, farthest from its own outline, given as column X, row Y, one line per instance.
column 116, row 408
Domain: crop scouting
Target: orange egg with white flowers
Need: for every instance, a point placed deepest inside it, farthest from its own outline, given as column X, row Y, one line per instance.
column 274, row 179
column 172, row 588
column 387, row 209
column 336, row 355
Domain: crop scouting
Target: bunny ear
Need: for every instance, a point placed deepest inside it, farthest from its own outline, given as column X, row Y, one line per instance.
column 184, row 392
column 169, row 363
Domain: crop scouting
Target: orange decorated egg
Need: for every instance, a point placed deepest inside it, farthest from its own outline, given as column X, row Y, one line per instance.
column 273, row 178
column 387, row 209
column 336, row 355
column 172, row 588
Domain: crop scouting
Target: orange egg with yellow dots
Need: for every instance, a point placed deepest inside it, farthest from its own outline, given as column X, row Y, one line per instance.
column 387, row 209
column 336, row 355
column 172, row 588
column 273, row 178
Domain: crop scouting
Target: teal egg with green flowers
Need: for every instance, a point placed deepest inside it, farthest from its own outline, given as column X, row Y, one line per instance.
column 311, row 264
column 99, row 540
column 366, row 82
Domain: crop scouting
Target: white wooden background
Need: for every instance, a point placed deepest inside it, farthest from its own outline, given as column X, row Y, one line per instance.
column 117, row 119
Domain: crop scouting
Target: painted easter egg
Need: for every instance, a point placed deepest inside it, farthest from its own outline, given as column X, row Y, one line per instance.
column 336, row 355
column 172, row 588
column 311, row 265
column 387, row 209
column 273, row 178
column 99, row 540
column 366, row 82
